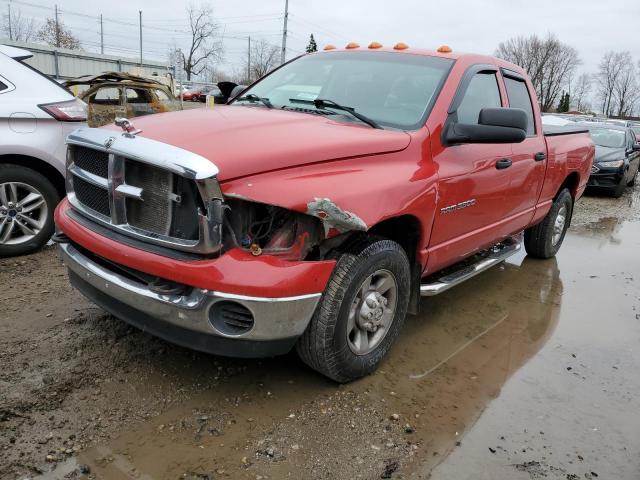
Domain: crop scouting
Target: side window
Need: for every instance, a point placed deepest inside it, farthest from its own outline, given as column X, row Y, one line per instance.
column 519, row 98
column 107, row 96
column 138, row 95
column 482, row 92
column 3, row 86
column 162, row 95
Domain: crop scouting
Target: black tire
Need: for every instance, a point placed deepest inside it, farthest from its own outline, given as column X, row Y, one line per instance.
column 324, row 345
column 18, row 173
column 632, row 182
column 538, row 240
column 619, row 189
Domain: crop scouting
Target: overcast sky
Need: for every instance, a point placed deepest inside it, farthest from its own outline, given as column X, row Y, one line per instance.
column 590, row 26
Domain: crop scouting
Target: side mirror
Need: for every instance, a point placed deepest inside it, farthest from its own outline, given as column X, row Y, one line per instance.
column 237, row 90
column 636, row 147
column 495, row 125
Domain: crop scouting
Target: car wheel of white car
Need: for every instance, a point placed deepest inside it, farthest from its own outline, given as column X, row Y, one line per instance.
column 27, row 202
column 361, row 311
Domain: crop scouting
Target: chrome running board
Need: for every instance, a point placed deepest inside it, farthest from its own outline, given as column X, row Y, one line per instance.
column 490, row 258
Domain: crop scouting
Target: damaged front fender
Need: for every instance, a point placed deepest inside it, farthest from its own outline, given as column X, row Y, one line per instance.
column 334, row 219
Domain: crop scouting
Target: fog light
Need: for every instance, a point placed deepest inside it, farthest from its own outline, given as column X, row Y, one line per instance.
column 231, row 318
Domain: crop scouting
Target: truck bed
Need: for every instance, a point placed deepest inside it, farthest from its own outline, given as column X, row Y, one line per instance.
column 554, row 130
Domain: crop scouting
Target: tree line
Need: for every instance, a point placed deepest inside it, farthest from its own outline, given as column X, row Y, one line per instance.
column 552, row 66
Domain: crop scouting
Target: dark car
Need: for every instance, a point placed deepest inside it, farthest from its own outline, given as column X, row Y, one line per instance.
column 617, row 157
column 212, row 92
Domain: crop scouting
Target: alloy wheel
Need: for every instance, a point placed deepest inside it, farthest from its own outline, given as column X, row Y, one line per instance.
column 23, row 213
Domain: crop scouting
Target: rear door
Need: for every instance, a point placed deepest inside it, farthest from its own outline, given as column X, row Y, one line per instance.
column 632, row 155
column 528, row 158
column 472, row 187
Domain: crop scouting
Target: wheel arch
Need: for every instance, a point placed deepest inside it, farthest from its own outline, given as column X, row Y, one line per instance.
column 40, row 166
column 406, row 231
column 403, row 229
column 571, row 182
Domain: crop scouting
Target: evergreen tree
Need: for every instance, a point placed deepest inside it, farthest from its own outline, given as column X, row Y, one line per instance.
column 563, row 105
column 312, row 47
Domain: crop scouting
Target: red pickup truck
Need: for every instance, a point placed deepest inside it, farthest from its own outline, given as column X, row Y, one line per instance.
column 316, row 208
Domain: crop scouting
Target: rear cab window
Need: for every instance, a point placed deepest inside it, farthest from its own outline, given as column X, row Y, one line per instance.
column 518, row 95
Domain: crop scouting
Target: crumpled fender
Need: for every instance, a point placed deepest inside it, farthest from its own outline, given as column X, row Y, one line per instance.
column 350, row 195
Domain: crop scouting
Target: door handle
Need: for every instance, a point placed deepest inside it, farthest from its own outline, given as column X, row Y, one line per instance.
column 503, row 163
column 540, row 156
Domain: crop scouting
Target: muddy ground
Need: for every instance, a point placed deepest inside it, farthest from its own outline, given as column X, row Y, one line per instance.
column 528, row 371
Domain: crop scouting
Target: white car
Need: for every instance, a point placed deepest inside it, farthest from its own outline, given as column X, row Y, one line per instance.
column 36, row 115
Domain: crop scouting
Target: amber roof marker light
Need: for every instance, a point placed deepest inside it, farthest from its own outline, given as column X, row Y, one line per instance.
column 352, row 45
column 444, row 49
column 400, row 46
column 329, row 47
column 375, row 45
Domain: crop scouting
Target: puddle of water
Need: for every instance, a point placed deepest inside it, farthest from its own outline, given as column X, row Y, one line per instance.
column 453, row 362
column 572, row 409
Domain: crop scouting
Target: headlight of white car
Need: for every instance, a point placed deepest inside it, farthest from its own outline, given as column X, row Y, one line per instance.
column 612, row 164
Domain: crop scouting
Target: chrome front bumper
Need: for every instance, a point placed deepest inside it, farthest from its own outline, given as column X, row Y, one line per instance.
column 184, row 319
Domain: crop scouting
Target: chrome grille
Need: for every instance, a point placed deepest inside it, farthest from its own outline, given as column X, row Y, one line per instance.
column 153, row 213
column 92, row 161
column 145, row 189
column 92, row 196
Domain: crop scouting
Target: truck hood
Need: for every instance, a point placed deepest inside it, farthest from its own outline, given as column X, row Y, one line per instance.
column 605, row 154
column 246, row 140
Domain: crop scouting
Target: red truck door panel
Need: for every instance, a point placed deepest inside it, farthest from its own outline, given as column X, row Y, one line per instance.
column 528, row 158
column 471, row 190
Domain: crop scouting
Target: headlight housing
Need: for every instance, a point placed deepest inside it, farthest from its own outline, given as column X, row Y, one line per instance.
column 611, row 164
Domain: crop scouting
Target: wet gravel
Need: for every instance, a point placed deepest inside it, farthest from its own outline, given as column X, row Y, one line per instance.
column 83, row 395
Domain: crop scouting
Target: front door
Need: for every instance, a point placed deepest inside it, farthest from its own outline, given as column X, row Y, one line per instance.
column 473, row 180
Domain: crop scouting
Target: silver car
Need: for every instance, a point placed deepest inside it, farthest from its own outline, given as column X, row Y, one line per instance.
column 36, row 114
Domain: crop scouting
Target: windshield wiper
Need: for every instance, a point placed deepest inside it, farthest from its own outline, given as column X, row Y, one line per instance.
column 250, row 97
column 321, row 103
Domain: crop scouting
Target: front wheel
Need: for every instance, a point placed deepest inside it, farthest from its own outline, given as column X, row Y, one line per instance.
column 360, row 313
column 27, row 201
column 544, row 239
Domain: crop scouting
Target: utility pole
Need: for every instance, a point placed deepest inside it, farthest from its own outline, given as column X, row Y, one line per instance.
column 10, row 29
column 284, row 32
column 140, row 12
column 57, row 27
column 249, row 61
column 101, row 37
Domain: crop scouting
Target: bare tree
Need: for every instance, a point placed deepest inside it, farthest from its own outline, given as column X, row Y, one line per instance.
column 206, row 46
column 17, row 27
column 264, row 58
column 626, row 89
column 548, row 62
column 58, row 35
column 580, row 93
column 609, row 71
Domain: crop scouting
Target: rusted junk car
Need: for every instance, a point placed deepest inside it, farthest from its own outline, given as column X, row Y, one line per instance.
column 116, row 94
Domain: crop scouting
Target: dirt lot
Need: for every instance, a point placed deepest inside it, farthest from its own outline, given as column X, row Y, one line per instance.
column 528, row 371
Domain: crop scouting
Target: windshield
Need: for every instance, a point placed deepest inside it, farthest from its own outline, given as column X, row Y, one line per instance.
column 393, row 89
column 605, row 137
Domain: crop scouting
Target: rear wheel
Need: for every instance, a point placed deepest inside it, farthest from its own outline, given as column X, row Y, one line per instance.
column 632, row 182
column 361, row 312
column 27, row 202
column 544, row 239
column 620, row 188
